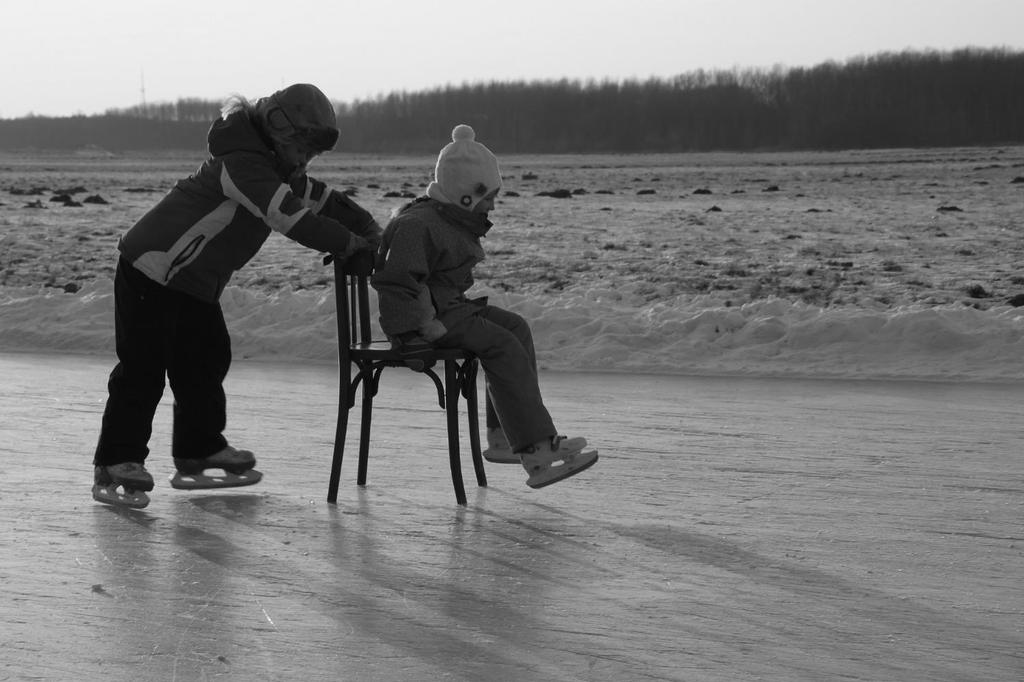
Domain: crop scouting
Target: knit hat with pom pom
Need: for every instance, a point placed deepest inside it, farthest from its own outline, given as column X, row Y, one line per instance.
column 466, row 171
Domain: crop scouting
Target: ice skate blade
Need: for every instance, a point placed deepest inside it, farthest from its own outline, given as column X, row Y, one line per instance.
column 109, row 494
column 580, row 462
column 206, row 481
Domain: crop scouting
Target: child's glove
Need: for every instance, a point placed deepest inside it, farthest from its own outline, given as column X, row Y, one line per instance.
column 360, row 263
column 432, row 330
column 355, row 244
column 415, row 351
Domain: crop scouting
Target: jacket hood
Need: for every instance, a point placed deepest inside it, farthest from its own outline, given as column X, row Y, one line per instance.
column 236, row 133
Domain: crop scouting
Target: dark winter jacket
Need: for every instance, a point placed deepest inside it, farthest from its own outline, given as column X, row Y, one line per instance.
column 214, row 221
column 425, row 266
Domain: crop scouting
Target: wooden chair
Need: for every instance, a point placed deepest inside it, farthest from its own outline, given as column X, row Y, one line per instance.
column 357, row 349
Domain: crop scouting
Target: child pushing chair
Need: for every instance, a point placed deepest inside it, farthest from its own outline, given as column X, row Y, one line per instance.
column 175, row 262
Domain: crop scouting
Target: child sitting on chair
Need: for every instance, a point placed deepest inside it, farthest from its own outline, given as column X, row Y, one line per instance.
column 424, row 269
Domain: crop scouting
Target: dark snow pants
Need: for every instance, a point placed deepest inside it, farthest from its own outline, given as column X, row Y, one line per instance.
column 162, row 332
column 503, row 342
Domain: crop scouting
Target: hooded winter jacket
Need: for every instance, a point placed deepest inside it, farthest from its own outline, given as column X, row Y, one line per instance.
column 214, row 221
column 425, row 266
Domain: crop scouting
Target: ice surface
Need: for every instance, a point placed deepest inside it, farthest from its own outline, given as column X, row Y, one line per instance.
column 735, row 529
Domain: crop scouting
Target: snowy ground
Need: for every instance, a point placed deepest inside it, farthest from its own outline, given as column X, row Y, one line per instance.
column 892, row 263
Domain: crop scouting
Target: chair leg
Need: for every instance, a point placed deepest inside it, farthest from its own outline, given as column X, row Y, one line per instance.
column 451, row 385
column 340, row 431
column 364, row 427
column 474, row 426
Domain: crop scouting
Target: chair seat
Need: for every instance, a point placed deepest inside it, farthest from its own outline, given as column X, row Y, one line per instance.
column 382, row 350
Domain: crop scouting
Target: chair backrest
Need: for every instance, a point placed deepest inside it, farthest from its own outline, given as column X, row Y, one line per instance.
column 352, row 298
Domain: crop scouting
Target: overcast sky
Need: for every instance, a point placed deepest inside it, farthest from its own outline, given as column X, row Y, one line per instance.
column 64, row 57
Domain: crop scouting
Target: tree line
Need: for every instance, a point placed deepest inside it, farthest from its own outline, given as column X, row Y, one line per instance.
column 970, row 96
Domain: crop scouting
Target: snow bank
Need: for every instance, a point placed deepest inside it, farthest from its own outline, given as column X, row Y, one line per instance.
column 599, row 330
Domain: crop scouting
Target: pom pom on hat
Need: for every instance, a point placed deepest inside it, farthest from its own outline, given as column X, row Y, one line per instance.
column 466, row 171
column 463, row 132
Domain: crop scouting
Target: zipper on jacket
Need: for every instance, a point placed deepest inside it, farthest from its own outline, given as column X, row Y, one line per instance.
column 185, row 255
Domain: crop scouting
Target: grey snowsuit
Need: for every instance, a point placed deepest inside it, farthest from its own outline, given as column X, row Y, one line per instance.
column 424, row 269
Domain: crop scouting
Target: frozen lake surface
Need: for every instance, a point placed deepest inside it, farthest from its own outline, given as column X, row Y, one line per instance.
column 734, row 529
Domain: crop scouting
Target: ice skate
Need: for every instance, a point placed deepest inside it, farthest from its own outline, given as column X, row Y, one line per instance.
column 550, row 461
column 498, row 450
column 123, row 485
column 235, row 469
